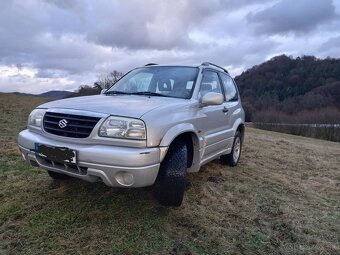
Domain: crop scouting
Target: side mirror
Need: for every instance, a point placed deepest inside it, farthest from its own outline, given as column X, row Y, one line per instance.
column 212, row 98
column 103, row 91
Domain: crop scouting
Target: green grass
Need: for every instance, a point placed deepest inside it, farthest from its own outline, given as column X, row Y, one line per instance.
column 283, row 198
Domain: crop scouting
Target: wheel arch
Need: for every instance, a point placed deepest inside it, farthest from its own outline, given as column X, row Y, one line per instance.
column 238, row 126
column 241, row 129
column 188, row 133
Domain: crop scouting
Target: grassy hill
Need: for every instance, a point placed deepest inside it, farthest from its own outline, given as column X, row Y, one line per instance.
column 56, row 94
column 283, row 198
column 53, row 94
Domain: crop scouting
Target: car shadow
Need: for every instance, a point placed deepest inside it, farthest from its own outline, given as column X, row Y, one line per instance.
column 99, row 196
column 96, row 197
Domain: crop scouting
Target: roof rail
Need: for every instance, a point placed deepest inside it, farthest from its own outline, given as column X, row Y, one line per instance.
column 151, row 64
column 211, row 64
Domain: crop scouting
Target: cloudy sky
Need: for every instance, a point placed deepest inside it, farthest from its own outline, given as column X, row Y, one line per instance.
column 61, row 44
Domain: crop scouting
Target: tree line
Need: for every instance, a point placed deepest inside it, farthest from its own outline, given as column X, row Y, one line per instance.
column 103, row 82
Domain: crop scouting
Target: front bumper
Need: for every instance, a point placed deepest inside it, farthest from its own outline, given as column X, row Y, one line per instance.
column 115, row 166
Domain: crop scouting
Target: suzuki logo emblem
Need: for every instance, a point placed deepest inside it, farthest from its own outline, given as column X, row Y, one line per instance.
column 62, row 123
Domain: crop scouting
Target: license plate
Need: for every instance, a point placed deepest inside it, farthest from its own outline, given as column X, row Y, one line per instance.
column 58, row 154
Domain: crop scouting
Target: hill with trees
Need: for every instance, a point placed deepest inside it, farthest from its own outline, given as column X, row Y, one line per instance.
column 292, row 90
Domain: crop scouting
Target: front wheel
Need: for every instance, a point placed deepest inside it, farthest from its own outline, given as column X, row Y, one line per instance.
column 170, row 184
column 233, row 158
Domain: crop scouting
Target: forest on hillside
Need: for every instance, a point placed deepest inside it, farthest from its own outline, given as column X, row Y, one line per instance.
column 292, row 90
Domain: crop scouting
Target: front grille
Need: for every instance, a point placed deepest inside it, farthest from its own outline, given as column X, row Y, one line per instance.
column 77, row 126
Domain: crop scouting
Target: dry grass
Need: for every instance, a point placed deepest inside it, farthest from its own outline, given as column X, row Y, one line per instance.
column 283, row 198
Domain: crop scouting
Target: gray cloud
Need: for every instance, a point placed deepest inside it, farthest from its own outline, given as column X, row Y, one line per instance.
column 293, row 16
column 139, row 24
column 150, row 25
column 61, row 44
column 331, row 47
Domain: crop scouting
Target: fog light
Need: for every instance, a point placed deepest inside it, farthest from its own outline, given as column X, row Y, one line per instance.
column 124, row 178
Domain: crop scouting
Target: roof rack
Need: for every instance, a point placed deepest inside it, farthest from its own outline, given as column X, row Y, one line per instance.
column 211, row 64
column 151, row 64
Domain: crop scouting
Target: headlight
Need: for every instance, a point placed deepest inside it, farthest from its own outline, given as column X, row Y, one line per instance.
column 36, row 117
column 119, row 127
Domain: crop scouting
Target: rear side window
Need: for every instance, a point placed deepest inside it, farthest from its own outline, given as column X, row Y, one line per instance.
column 210, row 83
column 229, row 88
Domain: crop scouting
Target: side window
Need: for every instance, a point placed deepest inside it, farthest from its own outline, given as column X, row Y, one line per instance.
column 229, row 88
column 210, row 83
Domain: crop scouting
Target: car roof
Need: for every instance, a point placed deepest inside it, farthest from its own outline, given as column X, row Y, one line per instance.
column 203, row 65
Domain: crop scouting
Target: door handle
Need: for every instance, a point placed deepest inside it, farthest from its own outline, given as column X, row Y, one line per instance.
column 225, row 109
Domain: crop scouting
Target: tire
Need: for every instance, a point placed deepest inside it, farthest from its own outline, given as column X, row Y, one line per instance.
column 171, row 180
column 233, row 158
column 58, row 176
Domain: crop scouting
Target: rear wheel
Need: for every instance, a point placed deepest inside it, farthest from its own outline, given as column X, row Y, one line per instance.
column 58, row 176
column 233, row 158
column 171, row 179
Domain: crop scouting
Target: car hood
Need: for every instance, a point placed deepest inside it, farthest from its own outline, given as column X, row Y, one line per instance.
column 120, row 105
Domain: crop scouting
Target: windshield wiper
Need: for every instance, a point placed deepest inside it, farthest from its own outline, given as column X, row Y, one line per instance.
column 148, row 93
column 114, row 92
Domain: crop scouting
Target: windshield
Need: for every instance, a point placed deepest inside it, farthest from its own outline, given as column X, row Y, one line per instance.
column 157, row 81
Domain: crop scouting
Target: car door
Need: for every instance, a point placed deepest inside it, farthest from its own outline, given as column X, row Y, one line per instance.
column 215, row 119
column 232, row 105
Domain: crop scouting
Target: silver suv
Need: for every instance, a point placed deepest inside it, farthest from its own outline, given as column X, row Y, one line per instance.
column 152, row 126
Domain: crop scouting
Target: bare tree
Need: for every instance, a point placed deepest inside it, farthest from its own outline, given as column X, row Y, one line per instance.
column 106, row 81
